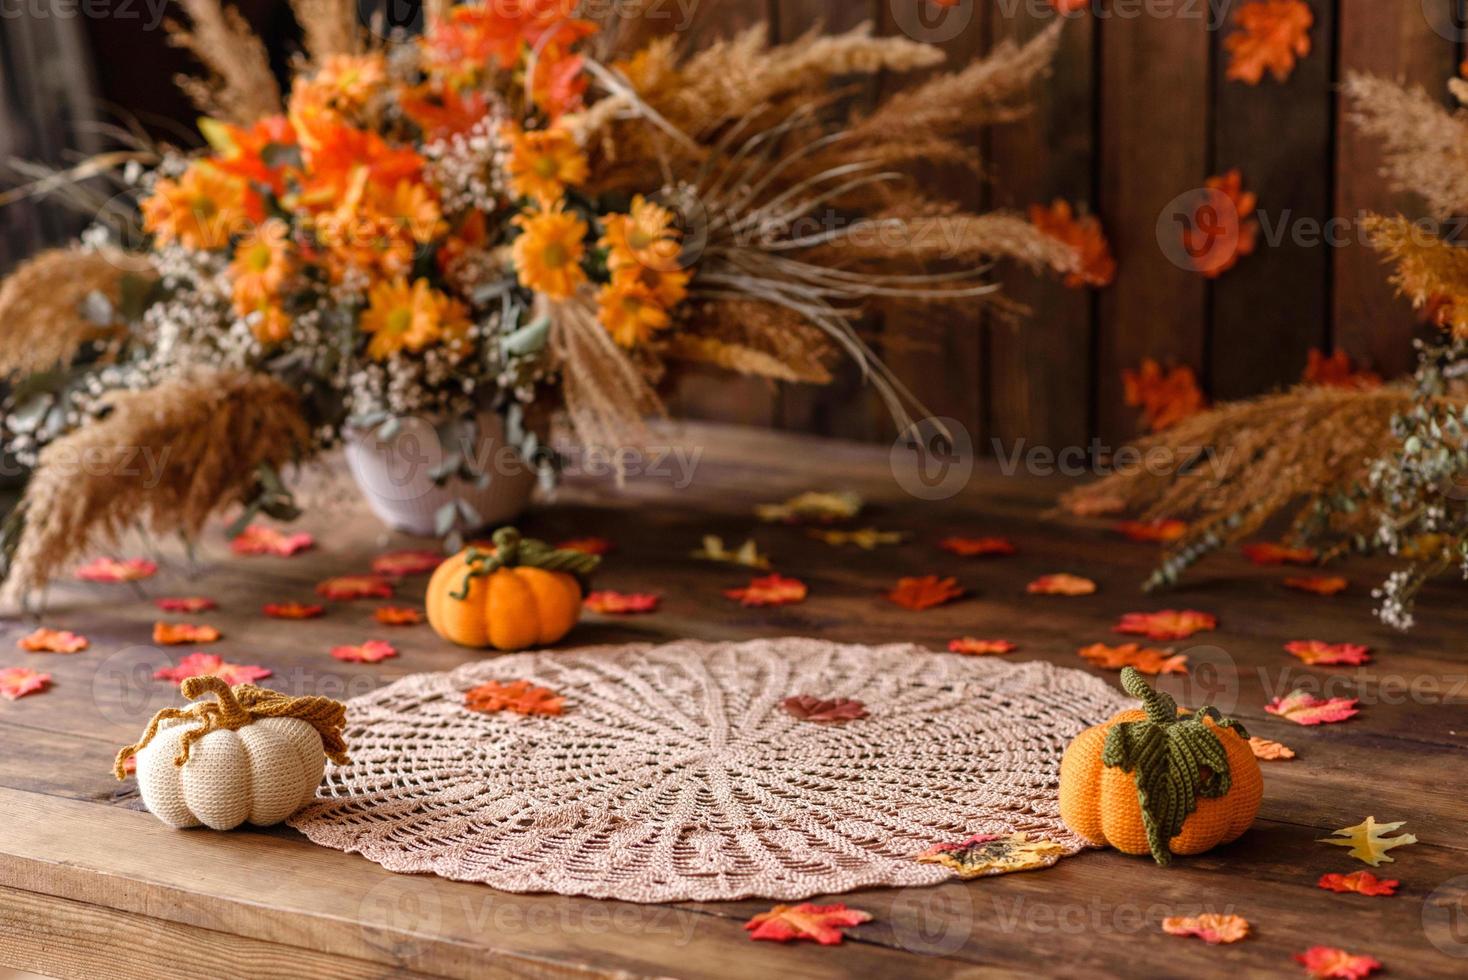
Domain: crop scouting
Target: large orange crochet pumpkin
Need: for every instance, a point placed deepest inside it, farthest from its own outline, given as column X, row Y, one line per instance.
column 1160, row 781
column 519, row 594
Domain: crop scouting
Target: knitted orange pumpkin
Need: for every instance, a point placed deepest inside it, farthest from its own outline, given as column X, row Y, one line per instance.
column 521, row 593
column 1160, row 781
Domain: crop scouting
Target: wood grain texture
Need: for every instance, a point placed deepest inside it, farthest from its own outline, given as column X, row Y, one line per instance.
column 84, row 873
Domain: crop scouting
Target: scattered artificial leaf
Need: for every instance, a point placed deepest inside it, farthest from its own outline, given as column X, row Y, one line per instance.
column 355, row 587
column 1271, row 36
column 1164, row 398
column 1095, row 266
column 1209, row 927
column 1306, row 709
column 866, row 539
column 201, row 664
column 1161, row 530
column 1319, row 654
column 817, row 923
column 589, row 546
column 611, row 603
column 1269, row 751
column 994, row 854
column 293, row 610
column 44, row 640
column 812, row 506
column 1146, row 660
column 979, row 648
column 17, row 682
column 977, row 547
column 1318, row 584
column 748, row 554
column 924, row 592
column 1330, row 963
column 1368, row 842
column 1223, row 229
column 521, row 697
column 371, row 652
column 181, row 634
column 1337, row 371
column 833, row 711
column 397, row 615
column 1360, row 882
column 772, row 590
column 1271, row 553
column 186, row 604
column 117, row 570
column 1061, row 584
column 257, row 539
column 396, row 564
column 1169, row 624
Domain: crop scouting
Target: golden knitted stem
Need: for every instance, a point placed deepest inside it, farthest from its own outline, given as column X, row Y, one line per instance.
column 513, row 551
column 236, row 707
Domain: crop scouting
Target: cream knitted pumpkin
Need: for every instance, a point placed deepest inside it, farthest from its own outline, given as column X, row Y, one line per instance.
column 250, row 755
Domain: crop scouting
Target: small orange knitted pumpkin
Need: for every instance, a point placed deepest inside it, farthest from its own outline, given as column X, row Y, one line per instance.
column 523, row 593
column 1160, row 781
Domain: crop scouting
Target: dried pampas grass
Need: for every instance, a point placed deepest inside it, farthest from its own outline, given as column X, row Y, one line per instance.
column 330, row 27
column 41, row 319
column 1425, row 146
column 608, row 398
column 165, row 459
column 1429, row 271
column 241, row 88
column 756, row 339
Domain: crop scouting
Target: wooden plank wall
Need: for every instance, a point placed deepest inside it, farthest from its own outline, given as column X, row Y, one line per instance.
column 1137, row 113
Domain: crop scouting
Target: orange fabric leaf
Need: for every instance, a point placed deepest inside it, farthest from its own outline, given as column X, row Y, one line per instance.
column 1269, row 751
column 1319, row 654
column 1306, row 709
column 1318, row 584
column 1096, row 506
column 201, row 664
column 355, row 587
column 257, row 539
column 521, row 697
column 1209, row 927
column 590, row 546
column 980, row 648
column 611, row 603
column 1162, row 531
column 17, row 682
column 977, row 547
column 397, row 615
column 1360, row 882
column 1337, row 371
column 1165, row 398
column 1169, row 624
column 1061, row 584
column 45, row 640
column 817, row 923
column 117, row 570
column 186, row 604
column 834, row 711
column 396, row 564
column 924, row 592
column 371, row 652
column 179, row 634
column 1271, row 36
column 1330, row 963
column 1083, row 234
column 772, row 590
column 1270, row 553
column 293, row 610
column 1144, row 659
column 1222, row 229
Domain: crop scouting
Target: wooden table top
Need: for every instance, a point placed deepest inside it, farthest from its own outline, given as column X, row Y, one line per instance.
column 89, row 883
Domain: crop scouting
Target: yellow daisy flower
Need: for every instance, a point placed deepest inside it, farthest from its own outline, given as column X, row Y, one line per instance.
column 269, row 322
column 262, row 261
column 201, row 209
column 630, row 312
column 345, row 82
column 549, row 250
column 402, row 317
column 543, row 163
column 644, row 237
column 412, row 206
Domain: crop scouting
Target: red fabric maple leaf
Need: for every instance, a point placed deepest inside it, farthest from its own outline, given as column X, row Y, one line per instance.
column 397, row 615
column 1272, row 35
column 1318, row 584
column 1319, row 654
column 1337, row 371
column 44, row 640
column 1330, row 963
column 772, row 590
column 1096, row 266
column 1306, row 709
column 821, row 711
column 17, row 682
column 924, row 592
column 182, row 634
column 612, row 603
column 257, row 539
column 1169, row 624
column 521, row 697
column 1061, row 584
column 1143, row 659
column 817, row 923
column 1222, row 229
column 977, row 547
column 186, row 604
column 371, row 652
column 1165, row 398
column 355, row 587
column 396, row 564
column 201, row 664
column 117, row 570
column 293, row 610
column 1162, row 530
column 980, row 648
column 1270, row 553
column 1360, row 882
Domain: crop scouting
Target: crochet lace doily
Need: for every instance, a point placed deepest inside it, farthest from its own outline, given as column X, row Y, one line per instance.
column 675, row 774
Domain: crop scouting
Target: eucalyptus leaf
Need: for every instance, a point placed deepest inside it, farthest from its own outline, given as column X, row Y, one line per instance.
column 529, row 339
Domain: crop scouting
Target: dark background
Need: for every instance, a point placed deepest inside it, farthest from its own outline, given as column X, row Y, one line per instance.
column 1137, row 112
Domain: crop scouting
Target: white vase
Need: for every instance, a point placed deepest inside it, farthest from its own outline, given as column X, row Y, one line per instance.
column 395, row 474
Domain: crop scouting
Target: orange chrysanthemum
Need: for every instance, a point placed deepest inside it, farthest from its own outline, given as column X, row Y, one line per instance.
column 346, row 82
column 630, row 312
column 251, row 152
column 644, row 238
column 543, row 163
column 549, row 250
column 269, row 322
column 441, row 110
column 202, row 209
column 402, row 317
column 474, row 37
column 262, row 262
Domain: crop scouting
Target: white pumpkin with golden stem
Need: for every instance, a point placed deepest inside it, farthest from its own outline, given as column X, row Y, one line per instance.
column 251, row 755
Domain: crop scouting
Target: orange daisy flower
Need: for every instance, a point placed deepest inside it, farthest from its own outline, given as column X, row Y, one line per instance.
column 630, row 312
column 345, row 81
column 400, row 317
column 643, row 238
column 201, row 209
column 543, row 163
column 262, row 261
column 549, row 250
column 268, row 322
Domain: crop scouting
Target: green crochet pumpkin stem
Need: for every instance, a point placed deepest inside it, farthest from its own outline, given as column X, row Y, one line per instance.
column 513, row 551
column 1176, row 760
